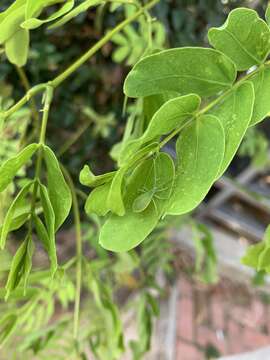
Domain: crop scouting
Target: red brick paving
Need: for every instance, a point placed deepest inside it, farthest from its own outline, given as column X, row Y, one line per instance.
column 226, row 320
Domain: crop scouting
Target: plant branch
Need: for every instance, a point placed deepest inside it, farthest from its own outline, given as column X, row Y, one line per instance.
column 27, row 87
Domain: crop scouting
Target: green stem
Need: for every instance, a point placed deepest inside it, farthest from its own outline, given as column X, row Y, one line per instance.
column 76, row 214
column 27, row 87
column 70, row 70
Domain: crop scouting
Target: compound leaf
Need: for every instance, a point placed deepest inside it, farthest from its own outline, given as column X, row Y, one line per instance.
column 200, row 151
column 244, row 37
column 185, row 70
column 9, row 168
column 59, row 192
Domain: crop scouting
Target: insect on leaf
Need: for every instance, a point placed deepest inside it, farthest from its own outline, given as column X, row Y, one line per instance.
column 59, row 192
column 184, row 70
column 200, row 151
column 244, row 37
column 117, row 234
column 9, row 169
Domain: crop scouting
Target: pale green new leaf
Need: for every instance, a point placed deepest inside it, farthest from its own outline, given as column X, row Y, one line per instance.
column 96, row 202
column 244, row 37
column 17, row 47
column 47, row 242
column 33, row 23
column 234, row 113
column 261, row 83
column 21, row 266
column 9, row 169
column 8, row 223
column 59, row 192
column 75, row 12
column 122, row 233
column 200, row 151
column 87, row 178
column 184, row 70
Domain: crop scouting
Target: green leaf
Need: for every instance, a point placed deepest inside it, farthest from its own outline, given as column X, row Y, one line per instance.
column 185, row 70
column 9, row 169
column 75, row 12
column 11, row 19
column 33, row 23
column 48, row 215
column 234, row 113
column 115, row 199
column 17, row 47
column 87, row 178
column 122, row 233
column 206, row 260
column 251, row 257
column 96, row 202
column 7, row 326
column 21, row 266
column 261, row 83
column 244, row 37
column 8, row 223
column 200, row 151
column 171, row 115
column 59, row 192
column 48, row 243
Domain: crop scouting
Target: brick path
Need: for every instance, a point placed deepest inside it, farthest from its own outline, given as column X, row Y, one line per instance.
column 219, row 320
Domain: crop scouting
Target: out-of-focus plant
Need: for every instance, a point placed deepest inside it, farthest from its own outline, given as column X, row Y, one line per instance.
column 256, row 146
